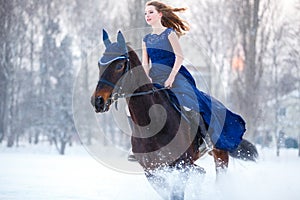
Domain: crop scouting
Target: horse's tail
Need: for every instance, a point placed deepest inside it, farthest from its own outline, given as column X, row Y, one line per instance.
column 246, row 151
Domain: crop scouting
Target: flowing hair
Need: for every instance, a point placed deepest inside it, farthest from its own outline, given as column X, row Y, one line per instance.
column 169, row 18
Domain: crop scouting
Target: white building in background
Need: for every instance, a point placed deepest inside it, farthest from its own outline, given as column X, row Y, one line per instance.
column 289, row 114
column 287, row 124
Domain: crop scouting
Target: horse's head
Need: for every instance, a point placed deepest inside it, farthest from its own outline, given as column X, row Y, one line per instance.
column 112, row 66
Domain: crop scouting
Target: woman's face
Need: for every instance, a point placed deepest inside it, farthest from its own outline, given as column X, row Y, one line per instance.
column 152, row 16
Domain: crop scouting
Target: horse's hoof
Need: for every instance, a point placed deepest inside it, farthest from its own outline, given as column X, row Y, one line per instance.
column 199, row 169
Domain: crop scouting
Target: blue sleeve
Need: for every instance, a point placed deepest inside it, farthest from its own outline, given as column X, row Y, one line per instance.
column 169, row 30
column 145, row 38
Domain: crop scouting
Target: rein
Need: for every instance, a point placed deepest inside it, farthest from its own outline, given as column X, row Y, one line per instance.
column 115, row 96
column 118, row 94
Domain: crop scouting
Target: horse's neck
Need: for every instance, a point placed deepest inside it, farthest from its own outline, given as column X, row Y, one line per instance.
column 142, row 82
column 140, row 105
column 137, row 79
column 138, row 82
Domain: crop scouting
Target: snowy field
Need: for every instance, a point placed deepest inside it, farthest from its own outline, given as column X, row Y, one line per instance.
column 37, row 173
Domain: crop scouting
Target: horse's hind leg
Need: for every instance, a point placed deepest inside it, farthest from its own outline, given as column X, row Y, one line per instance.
column 221, row 158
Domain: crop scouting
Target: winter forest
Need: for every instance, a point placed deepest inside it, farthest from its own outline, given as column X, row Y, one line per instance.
column 45, row 44
column 243, row 52
column 251, row 48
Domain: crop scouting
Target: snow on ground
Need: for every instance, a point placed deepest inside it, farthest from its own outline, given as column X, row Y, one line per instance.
column 40, row 173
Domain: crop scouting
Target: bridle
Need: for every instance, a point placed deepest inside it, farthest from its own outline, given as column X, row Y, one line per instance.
column 119, row 94
column 118, row 89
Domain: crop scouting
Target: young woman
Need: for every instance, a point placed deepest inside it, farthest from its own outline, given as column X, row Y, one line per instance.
column 162, row 60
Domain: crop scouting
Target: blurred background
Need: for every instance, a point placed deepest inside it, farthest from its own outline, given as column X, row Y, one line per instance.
column 246, row 50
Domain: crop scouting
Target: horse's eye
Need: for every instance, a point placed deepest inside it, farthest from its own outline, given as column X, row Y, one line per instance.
column 119, row 66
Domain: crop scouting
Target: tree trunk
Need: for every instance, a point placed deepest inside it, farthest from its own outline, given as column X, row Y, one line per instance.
column 299, row 145
column 248, row 28
column 3, row 106
column 11, row 135
column 62, row 147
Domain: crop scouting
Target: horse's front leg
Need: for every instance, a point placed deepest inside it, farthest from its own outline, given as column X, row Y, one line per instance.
column 221, row 158
column 169, row 183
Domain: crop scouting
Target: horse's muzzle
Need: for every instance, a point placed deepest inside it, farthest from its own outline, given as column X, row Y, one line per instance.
column 99, row 104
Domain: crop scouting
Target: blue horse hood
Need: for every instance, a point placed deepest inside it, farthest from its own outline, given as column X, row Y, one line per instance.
column 113, row 52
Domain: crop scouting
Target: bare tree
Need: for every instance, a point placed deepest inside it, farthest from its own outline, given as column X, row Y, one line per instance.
column 12, row 54
column 256, row 48
column 214, row 31
column 137, row 26
column 236, row 32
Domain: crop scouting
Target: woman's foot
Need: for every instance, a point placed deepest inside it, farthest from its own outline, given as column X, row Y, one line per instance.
column 203, row 149
column 131, row 156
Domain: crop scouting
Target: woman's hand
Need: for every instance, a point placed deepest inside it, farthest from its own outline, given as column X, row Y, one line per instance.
column 169, row 81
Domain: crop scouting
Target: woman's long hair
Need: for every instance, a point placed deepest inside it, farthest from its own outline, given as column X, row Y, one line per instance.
column 169, row 18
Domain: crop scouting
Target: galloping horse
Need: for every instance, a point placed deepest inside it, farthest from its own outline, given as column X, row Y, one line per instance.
column 162, row 137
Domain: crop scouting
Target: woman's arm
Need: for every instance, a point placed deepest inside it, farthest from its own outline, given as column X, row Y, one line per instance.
column 174, row 40
column 145, row 59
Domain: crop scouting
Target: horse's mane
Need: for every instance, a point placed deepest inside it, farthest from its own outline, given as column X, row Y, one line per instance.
column 137, row 76
column 134, row 59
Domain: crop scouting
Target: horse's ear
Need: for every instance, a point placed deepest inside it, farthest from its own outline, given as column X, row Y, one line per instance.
column 106, row 39
column 121, row 41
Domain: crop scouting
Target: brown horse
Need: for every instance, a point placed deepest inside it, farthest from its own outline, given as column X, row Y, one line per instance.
column 162, row 137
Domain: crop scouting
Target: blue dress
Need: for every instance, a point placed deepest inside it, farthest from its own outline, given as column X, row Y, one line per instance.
column 225, row 127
